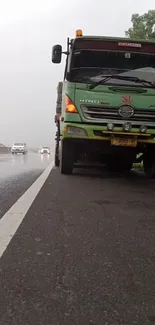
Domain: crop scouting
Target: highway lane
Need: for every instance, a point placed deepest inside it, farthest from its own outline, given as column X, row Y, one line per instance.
column 17, row 173
column 84, row 254
column 12, row 165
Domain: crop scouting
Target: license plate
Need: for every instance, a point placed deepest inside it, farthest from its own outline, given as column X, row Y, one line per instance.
column 123, row 142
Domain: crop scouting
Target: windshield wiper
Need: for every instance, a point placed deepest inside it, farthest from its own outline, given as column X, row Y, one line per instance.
column 117, row 76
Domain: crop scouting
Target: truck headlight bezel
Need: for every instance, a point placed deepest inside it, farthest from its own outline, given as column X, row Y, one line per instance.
column 76, row 131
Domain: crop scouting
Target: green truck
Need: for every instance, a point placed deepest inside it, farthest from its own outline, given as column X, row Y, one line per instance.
column 106, row 103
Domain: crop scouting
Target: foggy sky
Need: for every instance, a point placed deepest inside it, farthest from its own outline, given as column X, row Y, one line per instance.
column 28, row 79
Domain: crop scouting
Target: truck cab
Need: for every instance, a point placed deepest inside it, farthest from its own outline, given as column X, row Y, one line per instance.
column 107, row 110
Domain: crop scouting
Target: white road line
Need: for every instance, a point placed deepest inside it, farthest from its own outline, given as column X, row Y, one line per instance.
column 12, row 219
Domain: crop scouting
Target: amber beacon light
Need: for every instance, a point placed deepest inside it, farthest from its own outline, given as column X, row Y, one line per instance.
column 79, row 33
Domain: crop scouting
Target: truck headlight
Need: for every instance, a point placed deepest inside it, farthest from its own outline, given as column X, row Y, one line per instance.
column 143, row 128
column 72, row 130
column 110, row 126
column 127, row 126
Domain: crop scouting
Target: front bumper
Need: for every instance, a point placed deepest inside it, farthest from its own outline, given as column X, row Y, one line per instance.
column 99, row 132
column 17, row 151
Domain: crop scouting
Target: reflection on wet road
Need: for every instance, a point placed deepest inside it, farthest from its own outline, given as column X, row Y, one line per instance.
column 11, row 165
column 17, row 174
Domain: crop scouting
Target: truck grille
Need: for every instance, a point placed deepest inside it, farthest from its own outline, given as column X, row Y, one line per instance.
column 105, row 113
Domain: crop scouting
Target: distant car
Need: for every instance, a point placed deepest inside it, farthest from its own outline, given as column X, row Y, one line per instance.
column 45, row 150
column 19, row 148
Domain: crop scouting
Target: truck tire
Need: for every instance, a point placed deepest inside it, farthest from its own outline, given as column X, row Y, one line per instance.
column 66, row 157
column 56, row 157
column 149, row 165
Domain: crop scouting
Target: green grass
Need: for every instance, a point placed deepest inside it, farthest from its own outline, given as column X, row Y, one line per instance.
column 138, row 165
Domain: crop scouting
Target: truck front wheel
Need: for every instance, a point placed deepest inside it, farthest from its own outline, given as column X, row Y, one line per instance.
column 56, row 157
column 66, row 157
column 149, row 165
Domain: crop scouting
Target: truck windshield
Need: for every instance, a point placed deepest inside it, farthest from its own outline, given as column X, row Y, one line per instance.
column 88, row 66
column 19, row 144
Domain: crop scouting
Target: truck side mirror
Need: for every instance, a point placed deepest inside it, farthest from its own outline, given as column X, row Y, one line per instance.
column 56, row 53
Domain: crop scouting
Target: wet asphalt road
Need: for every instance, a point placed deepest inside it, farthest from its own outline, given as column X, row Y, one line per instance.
column 17, row 173
column 84, row 254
